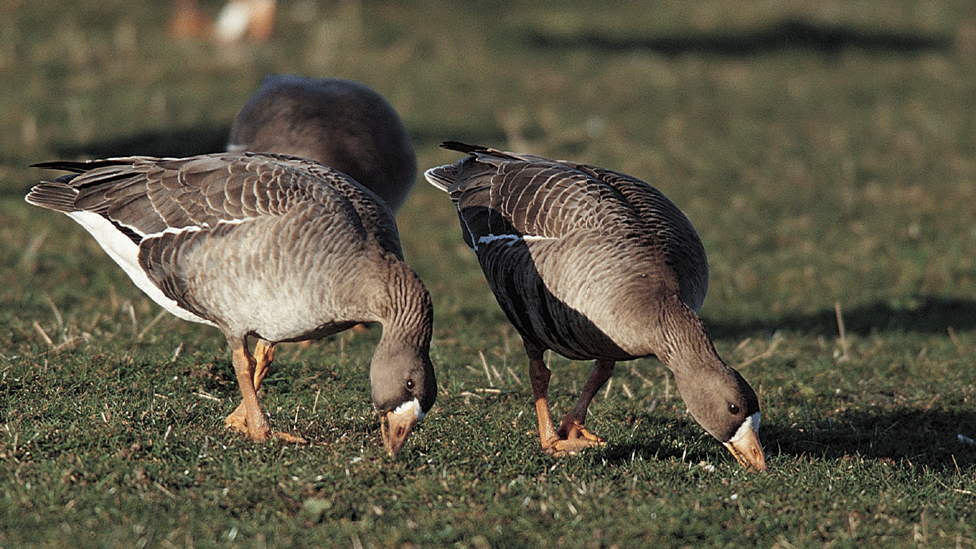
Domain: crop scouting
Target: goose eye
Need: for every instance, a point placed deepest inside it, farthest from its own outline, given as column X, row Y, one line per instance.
column 733, row 409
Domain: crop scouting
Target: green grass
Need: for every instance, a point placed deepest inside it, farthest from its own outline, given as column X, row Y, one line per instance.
column 820, row 174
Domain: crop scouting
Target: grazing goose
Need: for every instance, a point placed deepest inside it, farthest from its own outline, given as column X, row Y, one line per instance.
column 595, row 264
column 274, row 247
column 238, row 19
column 251, row 19
column 339, row 123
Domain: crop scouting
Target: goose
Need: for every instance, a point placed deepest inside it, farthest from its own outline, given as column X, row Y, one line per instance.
column 597, row 265
column 238, row 19
column 259, row 245
column 340, row 123
column 251, row 19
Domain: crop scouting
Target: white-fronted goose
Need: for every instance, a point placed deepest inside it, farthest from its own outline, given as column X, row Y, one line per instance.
column 251, row 19
column 238, row 19
column 339, row 123
column 274, row 247
column 595, row 264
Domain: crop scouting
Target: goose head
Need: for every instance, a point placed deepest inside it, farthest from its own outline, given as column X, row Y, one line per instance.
column 403, row 390
column 724, row 404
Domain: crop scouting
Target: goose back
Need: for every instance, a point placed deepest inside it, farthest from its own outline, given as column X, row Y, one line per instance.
column 340, row 123
column 595, row 264
column 580, row 258
column 273, row 246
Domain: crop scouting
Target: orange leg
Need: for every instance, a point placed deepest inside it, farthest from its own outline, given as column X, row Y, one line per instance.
column 571, row 437
column 263, row 356
column 248, row 418
column 255, row 370
column 572, row 425
column 540, row 389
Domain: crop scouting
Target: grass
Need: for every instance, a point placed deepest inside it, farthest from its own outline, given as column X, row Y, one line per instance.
column 825, row 152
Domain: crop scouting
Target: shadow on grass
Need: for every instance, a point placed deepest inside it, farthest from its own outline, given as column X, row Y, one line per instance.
column 923, row 438
column 435, row 135
column 929, row 315
column 181, row 142
column 178, row 142
column 918, row 438
column 790, row 34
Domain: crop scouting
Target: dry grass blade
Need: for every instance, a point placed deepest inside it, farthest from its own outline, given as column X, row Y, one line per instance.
column 842, row 332
column 40, row 331
column 765, row 354
column 28, row 260
column 152, row 323
column 484, row 363
column 207, row 396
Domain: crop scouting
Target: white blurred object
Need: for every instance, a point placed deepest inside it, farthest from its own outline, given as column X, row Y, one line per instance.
column 253, row 19
column 239, row 20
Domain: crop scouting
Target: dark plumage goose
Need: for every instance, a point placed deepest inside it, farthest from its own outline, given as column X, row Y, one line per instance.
column 339, row 123
column 274, row 247
column 595, row 264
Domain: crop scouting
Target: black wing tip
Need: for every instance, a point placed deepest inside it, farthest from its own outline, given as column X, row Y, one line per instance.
column 481, row 151
column 464, row 147
column 81, row 166
column 65, row 165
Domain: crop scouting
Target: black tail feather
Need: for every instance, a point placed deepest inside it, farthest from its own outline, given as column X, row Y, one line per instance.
column 463, row 147
column 81, row 166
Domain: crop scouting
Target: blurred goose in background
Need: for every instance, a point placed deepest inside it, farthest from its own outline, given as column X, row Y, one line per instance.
column 238, row 19
column 274, row 247
column 339, row 123
column 251, row 19
column 597, row 265
column 189, row 21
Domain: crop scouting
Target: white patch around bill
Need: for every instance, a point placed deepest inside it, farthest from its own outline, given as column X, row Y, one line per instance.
column 125, row 252
column 409, row 405
column 751, row 423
